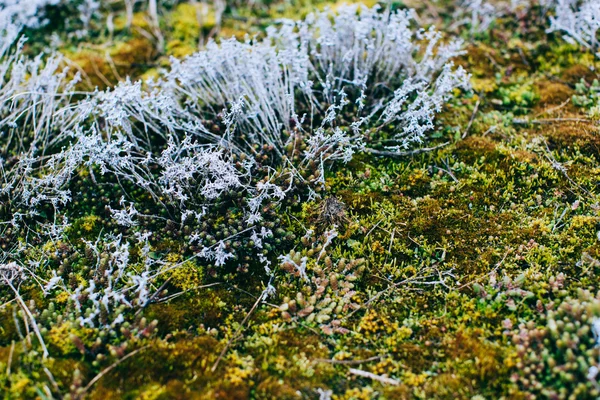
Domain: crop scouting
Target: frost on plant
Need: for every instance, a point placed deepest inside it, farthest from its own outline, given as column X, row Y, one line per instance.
column 482, row 14
column 209, row 149
column 24, row 12
column 579, row 21
column 310, row 94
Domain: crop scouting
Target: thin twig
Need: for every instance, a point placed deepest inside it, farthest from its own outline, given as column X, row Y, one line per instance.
column 523, row 58
column 370, row 375
column 556, row 221
column 553, row 109
column 7, row 303
column 151, row 299
column 466, row 132
column 110, row 368
column 99, row 74
column 216, row 364
column 389, row 153
column 420, row 279
column 112, row 66
column 175, row 295
column 10, row 356
column 498, row 264
column 347, row 362
column 561, row 168
column 519, row 121
column 27, row 313
column 448, row 170
column 390, row 246
column 373, row 228
column 52, row 380
column 490, row 130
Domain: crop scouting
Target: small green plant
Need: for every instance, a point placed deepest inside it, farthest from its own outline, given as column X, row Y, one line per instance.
column 587, row 96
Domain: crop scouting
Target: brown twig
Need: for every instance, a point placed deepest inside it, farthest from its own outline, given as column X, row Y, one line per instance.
column 498, row 264
column 466, row 132
column 108, row 369
column 151, row 299
column 553, row 108
column 216, row 364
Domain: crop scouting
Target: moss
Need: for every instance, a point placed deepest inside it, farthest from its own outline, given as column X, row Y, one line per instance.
column 464, row 251
column 575, row 73
column 187, row 276
column 188, row 23
column 483, row 85
column 554, row 93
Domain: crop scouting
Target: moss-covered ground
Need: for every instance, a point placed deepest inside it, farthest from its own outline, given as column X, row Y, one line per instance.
column 468, row 271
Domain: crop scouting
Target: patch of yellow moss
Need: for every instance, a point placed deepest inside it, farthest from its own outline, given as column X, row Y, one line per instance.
column 88, row 223
column 365, row 393
column 62, row 298
column 61, row 337
column 485, row 85
column 153, row 392
column 187, row 23
column 187, row 276
column 411, row 379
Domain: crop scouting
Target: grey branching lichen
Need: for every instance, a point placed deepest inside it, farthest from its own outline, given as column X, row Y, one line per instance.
column 579, row 21
column 311, row 93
